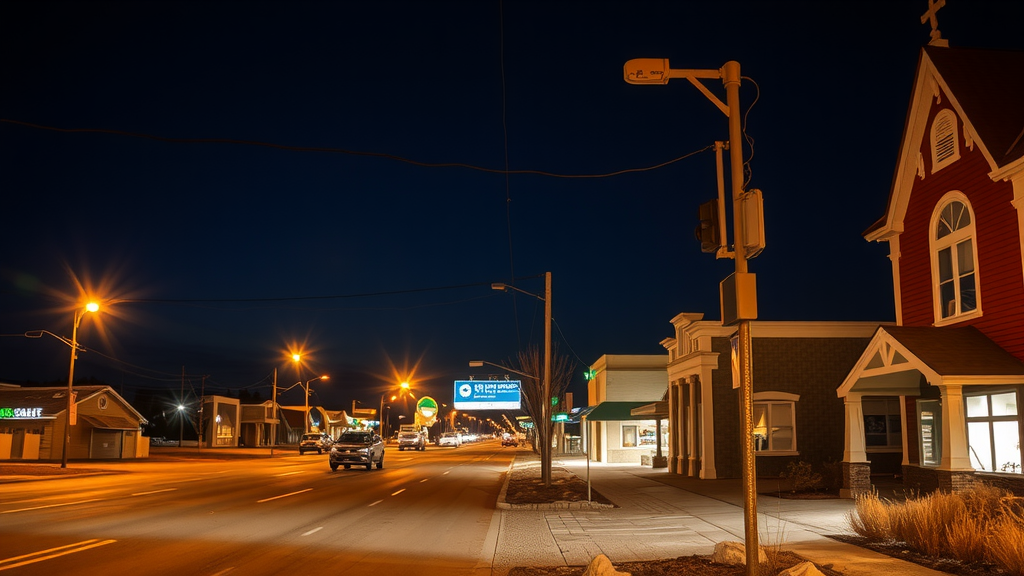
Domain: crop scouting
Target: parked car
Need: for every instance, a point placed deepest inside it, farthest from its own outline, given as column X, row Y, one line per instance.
column 319, row 441
column 361, row 447
column 509, row 440
column 449, row 439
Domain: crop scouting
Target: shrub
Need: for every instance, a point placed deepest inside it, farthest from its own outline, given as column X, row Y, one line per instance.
column 801, row 476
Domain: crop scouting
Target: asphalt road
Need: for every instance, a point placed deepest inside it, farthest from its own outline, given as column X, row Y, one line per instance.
column 425, row 513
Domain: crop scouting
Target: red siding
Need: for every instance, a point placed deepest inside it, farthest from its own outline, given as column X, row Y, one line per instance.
column 1000, row 274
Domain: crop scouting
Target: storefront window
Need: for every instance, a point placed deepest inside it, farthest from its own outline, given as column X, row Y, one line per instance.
column 993, row 432
column 774, row 427
column 882, row 427
column 929, row 416
column 629, row 436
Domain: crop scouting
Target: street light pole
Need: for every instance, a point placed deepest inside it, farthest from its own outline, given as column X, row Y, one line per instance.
column 657, row 71
column 79, row 313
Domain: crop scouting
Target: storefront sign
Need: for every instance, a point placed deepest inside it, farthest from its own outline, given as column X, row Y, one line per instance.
column 8, row 413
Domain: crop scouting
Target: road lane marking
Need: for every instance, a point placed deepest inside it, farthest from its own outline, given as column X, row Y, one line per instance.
column 424, row 480
column 224, row 571
column 154, row 492
column 49, row 506
column 289, row 473
column 52, row 553
column 313, row 531
column 283, row 496
column 446, row 472
column 375, row 503
column 397, row 493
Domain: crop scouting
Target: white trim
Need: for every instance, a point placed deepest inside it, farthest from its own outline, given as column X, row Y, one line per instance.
column 946, row 114
column 770, row 395
column 950, row 242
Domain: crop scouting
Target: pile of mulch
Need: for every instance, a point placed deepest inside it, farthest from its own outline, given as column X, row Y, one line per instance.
column 525, row 487
column 681, row 566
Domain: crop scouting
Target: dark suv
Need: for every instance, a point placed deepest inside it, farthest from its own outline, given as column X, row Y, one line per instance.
column 361, row 447
column 319, row 441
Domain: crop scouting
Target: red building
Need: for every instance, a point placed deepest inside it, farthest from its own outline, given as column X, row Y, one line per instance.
column 936, row 398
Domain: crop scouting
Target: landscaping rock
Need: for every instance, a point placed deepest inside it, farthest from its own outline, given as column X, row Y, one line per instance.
column 602, row 566
column 802, row 569
column 734, row 553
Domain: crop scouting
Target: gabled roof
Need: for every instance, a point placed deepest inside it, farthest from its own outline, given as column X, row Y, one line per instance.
column 989, row 87
column 898, row 356
column 986, row 89
column 53, row 399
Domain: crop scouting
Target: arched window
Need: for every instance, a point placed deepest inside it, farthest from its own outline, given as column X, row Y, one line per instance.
column 954, row 260
column 945, row 144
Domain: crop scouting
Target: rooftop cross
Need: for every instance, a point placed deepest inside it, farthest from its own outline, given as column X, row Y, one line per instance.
column 931, row 16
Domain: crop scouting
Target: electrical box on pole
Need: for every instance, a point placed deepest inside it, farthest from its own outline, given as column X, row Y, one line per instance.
column 752, row 208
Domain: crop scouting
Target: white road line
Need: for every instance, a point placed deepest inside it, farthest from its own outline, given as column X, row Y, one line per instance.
column 424, row 480
column 154, row 492
column 224, row 571
column 397, row 493
column 375, row 503
column 446, row 472
column 49, row 506
column 289, row 473
column 52, row 553
column 283, row 496
column 313, row 531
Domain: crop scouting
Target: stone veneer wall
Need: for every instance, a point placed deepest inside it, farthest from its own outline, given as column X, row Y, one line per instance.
column 856, row 479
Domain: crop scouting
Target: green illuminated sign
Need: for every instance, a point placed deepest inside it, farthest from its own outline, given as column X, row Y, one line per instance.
column 21, row 412
column 560, row 417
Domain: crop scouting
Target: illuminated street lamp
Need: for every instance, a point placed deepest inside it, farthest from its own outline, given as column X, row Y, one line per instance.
column 305, row 427
column 738, row 293
column 79, row 313
column 404, row 389
column 181, row 424
column 545, row 405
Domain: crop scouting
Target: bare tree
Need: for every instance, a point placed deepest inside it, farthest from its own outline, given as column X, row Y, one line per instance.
column 531, row 362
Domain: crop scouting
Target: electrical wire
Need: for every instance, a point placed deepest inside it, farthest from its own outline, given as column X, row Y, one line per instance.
column 332, row 150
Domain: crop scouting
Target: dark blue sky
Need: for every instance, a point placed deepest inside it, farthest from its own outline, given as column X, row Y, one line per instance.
column 230, row 252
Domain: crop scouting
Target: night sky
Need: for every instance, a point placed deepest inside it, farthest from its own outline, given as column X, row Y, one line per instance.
column 237, row 179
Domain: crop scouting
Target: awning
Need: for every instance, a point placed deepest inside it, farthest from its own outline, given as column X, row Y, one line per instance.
column 110, row 422
column 611, row 411
column 653, row 410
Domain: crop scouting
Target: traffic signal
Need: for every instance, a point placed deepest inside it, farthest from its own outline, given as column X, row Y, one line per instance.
column 708, row 232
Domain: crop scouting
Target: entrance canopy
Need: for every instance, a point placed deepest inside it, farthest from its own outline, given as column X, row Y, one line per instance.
column 612, row 411
column 899, row 356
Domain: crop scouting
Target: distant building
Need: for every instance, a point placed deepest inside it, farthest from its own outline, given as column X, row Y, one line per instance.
column 943, row 387
column 621, row 383
column 33, row 424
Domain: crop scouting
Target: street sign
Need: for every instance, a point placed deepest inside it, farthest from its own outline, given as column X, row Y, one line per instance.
column 487, row 395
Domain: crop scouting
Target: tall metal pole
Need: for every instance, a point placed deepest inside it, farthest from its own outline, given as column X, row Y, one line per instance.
column 305, row 416
column 546, row 410
column 71, row 379
column 273, row 422
column 731, row 79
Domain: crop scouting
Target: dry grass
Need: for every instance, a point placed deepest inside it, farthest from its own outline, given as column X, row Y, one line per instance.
column 981, row 524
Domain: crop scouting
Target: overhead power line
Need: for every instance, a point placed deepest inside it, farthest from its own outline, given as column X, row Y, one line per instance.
column 331, row 150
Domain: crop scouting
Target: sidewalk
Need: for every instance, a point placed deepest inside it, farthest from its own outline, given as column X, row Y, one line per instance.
column 662, row 515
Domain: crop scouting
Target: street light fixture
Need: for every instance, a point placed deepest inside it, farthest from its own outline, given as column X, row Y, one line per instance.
column 79, row 313
column 545, row 405
column 739, row 296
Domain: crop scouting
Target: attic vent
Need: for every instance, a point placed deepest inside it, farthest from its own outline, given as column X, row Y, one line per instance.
column 945, row 145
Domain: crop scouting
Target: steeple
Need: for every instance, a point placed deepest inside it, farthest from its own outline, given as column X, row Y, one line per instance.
column 931, row 16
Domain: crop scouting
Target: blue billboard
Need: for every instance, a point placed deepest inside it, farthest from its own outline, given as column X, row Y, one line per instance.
column 487, row 395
